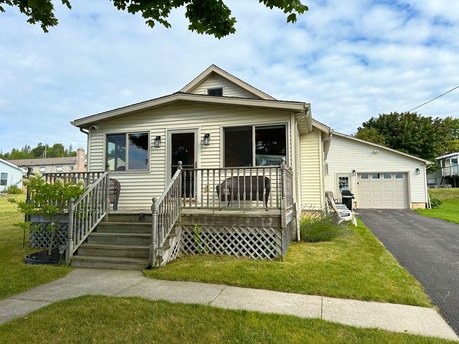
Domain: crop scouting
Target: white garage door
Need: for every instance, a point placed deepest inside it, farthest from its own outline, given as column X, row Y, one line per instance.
column 382, row 191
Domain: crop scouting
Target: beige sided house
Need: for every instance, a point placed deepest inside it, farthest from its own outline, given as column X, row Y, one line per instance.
column 250, row 164
column 379, row 177
column 54, row 165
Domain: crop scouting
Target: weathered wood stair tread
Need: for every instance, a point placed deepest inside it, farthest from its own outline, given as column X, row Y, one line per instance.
column 115, row 246
column 121, row 234
column 110, row 262
column 112, row 259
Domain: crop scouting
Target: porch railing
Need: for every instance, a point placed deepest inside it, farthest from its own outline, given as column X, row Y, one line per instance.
column 165, row 213
column 237, row 188
column 86, row 212
column 450, row 171
column 74, row 177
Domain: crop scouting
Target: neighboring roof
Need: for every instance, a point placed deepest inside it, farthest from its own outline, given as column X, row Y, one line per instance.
column 213, row 69
column 45, row 161
column 321, row 126
column 12, row 165
column 297, row 107
column 382, row 147
column 447, row 155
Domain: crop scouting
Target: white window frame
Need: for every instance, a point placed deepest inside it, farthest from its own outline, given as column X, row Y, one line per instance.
column 127, row 151
column 254, row 149
column 3, row 178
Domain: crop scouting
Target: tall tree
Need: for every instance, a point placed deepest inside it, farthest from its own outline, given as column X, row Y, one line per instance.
column 210, row 17
column 412, row 133
column 56, row 151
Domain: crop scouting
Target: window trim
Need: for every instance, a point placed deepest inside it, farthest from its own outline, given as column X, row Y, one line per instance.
column 127, row 133
column 4, row 179
column 215, row 88
column 254, row 126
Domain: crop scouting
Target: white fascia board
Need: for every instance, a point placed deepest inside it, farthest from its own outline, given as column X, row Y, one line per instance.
column 224, row 74
column 11, row 165
column 177, row 97
column 447, row 155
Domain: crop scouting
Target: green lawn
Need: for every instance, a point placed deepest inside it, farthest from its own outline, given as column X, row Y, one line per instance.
column 16, row 276
column 354, row 266
column 99, row 319
column 449, row 210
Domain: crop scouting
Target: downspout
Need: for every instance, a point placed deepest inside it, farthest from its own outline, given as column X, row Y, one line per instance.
column 86, row 132
column 325, row 165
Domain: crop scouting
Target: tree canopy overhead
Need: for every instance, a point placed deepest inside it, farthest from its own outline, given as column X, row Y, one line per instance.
column 210, row 17
column 408, row 132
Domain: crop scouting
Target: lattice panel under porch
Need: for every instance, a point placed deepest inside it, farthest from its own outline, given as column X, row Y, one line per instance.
column 39, row 238
column 253, row 242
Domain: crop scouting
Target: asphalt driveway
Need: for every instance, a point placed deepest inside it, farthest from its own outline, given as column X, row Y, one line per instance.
column 427, row 248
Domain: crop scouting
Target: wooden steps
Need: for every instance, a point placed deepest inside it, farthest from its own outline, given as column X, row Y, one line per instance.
column 122, row 243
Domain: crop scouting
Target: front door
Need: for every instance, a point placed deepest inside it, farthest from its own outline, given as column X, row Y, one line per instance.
column 183, row 148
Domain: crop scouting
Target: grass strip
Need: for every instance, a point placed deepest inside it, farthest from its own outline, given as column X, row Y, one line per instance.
column 100, row 319
column 354, row 266
column 16, row 276
column 449, row 209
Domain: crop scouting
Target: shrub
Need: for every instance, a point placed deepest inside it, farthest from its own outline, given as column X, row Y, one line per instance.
column 49, row 201
column 14, row 190
column 434, row 202
column 319, row 228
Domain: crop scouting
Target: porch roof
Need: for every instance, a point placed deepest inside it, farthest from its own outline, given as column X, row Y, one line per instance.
column 300, row 109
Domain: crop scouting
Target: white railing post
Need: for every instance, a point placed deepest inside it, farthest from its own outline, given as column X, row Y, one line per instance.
column 179, row 191
column 69, row 248
column 154, row 233
column 107, row 191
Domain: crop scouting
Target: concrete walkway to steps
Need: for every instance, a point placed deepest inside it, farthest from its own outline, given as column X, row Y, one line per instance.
column 391, row 317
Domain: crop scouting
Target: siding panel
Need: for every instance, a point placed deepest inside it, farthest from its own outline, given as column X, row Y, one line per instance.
column 311, row 178
column 229, row 89
column 137, row 189
column 346, row 155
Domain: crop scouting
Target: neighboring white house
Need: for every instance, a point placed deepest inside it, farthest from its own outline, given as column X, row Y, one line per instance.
column 378, row 176
column 448, row 174
column 215, row 121
column 10, row 175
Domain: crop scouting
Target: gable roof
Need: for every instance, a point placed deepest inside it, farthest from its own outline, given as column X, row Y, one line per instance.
column 45, row 161
column 213, row 69
column 427, row 162
column 447, row 155
column 296, row 107
column 12, row 165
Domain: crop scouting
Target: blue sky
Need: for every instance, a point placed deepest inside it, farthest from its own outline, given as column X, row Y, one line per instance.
column 350, row 59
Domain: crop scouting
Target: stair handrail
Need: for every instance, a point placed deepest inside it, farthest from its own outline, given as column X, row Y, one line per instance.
column 166, row 211
column 86, row 212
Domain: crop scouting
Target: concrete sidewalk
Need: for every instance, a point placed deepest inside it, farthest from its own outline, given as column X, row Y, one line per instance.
column 391, row 317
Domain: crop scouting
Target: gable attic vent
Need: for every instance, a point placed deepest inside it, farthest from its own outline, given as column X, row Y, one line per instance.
column 217, row 91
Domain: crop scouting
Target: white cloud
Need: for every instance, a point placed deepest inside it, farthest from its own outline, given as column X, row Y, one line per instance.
column 351, row 60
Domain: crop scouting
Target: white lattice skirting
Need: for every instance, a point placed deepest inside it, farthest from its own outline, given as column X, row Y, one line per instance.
column 39, row 238
column 253, row 242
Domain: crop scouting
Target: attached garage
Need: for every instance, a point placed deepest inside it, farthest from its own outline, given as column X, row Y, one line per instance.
column 383, row 190
column 379, row 177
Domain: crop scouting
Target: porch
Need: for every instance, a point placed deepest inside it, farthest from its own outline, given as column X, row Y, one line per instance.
column 246, row 211
column 450, row 175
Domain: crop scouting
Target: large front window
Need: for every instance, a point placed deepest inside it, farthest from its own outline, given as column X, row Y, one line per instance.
column 127, row 151
column 255, row 145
